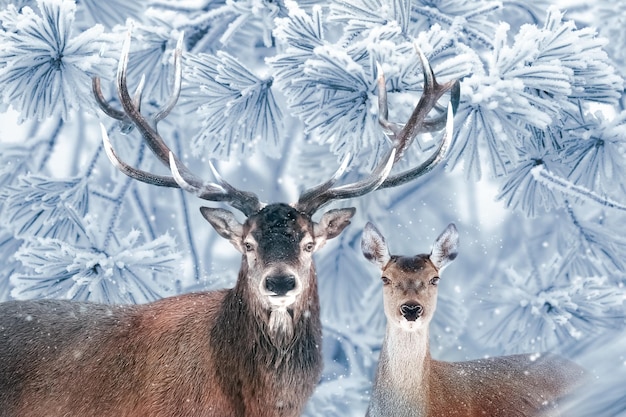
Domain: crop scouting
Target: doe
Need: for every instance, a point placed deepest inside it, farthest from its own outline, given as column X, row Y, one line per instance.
column 409, row 382
column 252, row 350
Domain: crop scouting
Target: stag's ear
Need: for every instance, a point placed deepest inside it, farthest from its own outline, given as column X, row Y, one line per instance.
column 374, row 246
column 332, row 224
column 225, row 223
column 445, row 248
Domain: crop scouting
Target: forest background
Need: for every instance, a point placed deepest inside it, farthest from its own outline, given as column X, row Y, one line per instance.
column 276, row 93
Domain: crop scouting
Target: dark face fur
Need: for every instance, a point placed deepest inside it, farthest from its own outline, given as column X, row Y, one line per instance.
column 277, row 244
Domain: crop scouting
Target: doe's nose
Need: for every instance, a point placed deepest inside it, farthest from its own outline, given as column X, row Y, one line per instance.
column 280, row 284
column 411, row 311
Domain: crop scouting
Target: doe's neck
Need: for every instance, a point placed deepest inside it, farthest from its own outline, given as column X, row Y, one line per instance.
column 401, row 382
column 405, row 357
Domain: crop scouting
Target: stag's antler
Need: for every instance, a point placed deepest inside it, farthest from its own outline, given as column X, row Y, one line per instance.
column 246, row 202
column 310, row 200
column 401, row 138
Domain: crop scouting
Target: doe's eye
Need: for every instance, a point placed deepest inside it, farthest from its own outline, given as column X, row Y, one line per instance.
column 434, row 281
column 386, row 281
column 309, row 247
column 248, row 246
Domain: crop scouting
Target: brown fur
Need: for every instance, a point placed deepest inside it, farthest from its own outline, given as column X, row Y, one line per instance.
column 516, row 385
column 169, row 358
column 210, row 354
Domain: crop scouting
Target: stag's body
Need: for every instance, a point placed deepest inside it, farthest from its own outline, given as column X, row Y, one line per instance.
column 251, row 351
column 173, row 357
column 82, row 359
column 216, row 353
column 409, row 383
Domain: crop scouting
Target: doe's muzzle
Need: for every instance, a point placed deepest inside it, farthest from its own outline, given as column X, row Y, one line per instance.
column 411, row 311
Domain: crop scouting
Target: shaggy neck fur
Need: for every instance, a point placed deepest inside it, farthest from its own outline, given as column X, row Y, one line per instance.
column 279, row 355
column 280, row 327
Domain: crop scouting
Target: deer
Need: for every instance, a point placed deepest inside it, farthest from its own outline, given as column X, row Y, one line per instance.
column 409, row 382
column 252, row 350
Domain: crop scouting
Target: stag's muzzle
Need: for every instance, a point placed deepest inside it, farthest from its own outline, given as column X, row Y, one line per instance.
column 280, row 285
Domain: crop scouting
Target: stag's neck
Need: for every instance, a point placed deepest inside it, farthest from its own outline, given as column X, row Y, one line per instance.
column 281, row 372
column 403, row 374
column 275, row 330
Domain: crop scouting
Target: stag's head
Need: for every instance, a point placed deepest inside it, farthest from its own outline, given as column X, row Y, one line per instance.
column 277, row 244
column 277, row 240
column 410, row 282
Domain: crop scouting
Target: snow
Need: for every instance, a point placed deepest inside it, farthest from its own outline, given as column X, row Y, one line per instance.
column 534, row 181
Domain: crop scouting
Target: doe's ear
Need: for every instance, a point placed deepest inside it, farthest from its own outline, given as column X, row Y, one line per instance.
column 332, row 224
column 374, row 246
column 445, row 248
column 224, row 223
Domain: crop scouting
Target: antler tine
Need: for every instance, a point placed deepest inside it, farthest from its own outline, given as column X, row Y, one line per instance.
column 312, row 192
column 102, row 102
column 383, row 108
column 126, row 124
column 432, row 93
column 438, row 123
column 309, row 202
column 181, row 177
column 178, row 79
column 143, row 176
column 428, row 165
column 427, row 125
column 151, row 136
column 246, row 202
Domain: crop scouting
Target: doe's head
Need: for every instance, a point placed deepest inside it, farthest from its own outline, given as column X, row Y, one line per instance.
column 277, row 245
column 410, row 282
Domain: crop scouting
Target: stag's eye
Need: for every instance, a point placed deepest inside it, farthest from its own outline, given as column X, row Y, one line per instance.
column 386, row 281
column 309, row 247
column 434, row 281
column 249, row 246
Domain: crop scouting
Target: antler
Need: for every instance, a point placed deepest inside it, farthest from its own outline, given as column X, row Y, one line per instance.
column 311, row 200
column 401, row 138
column 247, row 203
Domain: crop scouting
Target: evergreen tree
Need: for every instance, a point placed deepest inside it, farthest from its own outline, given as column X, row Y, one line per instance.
column 276, row 93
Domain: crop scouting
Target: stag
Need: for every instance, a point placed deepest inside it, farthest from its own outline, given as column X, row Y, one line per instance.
column 409, row 383
column 252, row 350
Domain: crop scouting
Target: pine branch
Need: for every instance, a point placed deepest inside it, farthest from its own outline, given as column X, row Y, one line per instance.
column 553, row 182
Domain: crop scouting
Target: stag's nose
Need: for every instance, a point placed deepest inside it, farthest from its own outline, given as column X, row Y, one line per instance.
column 411, row 311
column 280, row 284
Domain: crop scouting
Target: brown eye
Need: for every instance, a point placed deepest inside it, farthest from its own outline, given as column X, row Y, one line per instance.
column 309, row 247
column 386, row 281
column 434, row 281
column 248, row 246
